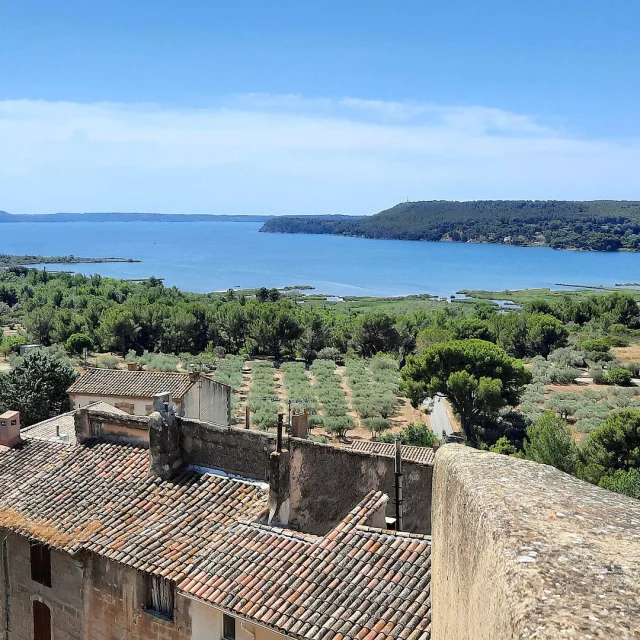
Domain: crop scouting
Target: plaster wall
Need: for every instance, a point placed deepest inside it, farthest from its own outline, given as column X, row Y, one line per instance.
column 208, row 401
column 206, row 624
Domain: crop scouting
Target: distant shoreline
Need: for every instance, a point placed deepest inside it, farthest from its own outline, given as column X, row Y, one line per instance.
column 16, row 218
column 7, row 260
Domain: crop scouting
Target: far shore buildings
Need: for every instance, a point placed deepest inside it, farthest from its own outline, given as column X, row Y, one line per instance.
column 193, row 395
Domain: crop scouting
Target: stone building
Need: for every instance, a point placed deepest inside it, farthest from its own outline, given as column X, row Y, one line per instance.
column 168, row 528
column 119, row 536
column 193, row 395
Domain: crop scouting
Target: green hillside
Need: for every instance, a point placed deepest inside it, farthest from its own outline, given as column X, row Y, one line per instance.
column 603, row 225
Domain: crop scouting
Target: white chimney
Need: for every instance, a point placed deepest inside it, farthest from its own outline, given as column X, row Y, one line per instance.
column 10, row 428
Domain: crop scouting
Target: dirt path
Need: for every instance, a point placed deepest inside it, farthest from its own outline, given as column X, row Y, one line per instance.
column 347, row 390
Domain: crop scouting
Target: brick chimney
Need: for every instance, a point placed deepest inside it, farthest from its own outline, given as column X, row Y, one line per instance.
column 10, row 428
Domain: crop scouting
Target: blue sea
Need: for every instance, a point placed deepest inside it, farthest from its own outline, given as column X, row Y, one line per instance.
column 214, row 256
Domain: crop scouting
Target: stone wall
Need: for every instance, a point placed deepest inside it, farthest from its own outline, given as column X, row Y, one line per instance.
column 230, row 449
column 326, row 482
column 522, row 550
column 89, row 597
column 18, row 591
column 115, row 606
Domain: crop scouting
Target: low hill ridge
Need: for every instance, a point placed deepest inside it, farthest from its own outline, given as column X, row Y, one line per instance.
column 598, row 225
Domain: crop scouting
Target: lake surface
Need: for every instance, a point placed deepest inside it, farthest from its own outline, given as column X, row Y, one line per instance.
column 213, row 256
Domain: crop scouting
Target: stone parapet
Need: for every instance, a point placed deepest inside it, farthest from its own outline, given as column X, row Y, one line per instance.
column 522, row 550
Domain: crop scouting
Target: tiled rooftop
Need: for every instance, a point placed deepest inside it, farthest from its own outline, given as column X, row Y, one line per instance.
column 62, row 428
column 131, row 384
column 99, row 497
column 355, row 582
column 202, row 530
column 424, row 455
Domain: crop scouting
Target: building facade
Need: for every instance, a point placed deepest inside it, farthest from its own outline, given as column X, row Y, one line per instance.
column 192, row 395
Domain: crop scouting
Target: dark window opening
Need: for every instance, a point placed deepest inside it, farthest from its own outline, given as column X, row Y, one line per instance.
column 41, row 621
column 228, row 627
column 160, row 596
column 41, row 564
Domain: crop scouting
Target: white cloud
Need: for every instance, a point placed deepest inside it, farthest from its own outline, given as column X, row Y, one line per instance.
column 287, row 154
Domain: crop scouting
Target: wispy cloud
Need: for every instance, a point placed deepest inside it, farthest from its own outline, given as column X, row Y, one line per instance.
column 288, row 154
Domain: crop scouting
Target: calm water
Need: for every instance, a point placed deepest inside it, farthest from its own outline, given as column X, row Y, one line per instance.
column 213, row 256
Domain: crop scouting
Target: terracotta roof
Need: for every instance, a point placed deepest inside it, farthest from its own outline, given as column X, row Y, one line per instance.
column 424, row 455
column 132, row 384
column 99, row 497
column 202, row 531
column 355, row 582
column 62, row 428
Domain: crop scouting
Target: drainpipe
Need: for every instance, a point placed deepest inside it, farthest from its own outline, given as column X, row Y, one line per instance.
column 7, row 586
column 399, row 485
column 279, row 434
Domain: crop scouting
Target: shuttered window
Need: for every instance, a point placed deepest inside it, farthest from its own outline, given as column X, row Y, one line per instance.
column 160, row 596
column 228, row 627
column 41, row 564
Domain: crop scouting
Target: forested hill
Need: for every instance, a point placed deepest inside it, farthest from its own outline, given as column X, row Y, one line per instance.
column 603, row 225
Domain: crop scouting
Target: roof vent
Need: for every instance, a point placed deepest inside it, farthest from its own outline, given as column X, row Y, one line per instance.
column 10, row 428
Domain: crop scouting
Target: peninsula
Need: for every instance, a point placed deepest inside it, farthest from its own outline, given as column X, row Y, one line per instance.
column 7, row 260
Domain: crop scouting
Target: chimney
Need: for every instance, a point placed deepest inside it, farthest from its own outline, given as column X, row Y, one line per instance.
column 279, row 503
column 164, row 438
column 10, row 428
column 132, row 366
column 300, row 425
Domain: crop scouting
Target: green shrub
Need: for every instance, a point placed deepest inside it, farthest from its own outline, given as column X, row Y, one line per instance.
column 330, row 353
column 618, row 376
column 503, row 446
column 596, row 345
column 634, row 367
column 107, row 362
column 418, row 435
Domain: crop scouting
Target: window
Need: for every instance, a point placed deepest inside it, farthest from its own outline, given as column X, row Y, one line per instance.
column 228, row 627
column 160, row 596
column 41, row 621
column 41, row 564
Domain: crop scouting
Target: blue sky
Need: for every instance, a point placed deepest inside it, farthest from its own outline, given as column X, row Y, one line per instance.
column 315, row 107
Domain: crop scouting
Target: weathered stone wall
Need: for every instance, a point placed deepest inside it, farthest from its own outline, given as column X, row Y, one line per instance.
column 18, row 591
column 522, row 550
column 227, row 448
column 326, row 482
column 115, row 606
column 108, row 427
